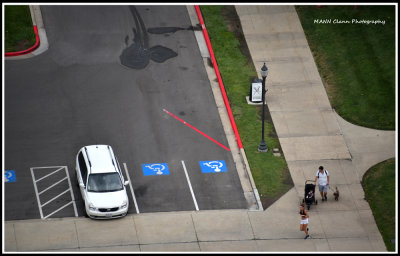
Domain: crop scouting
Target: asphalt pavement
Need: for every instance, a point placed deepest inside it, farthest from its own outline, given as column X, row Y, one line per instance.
column 80, row 92
column 311, row 134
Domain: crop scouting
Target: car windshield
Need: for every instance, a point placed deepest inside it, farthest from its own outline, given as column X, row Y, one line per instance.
column 104, row 182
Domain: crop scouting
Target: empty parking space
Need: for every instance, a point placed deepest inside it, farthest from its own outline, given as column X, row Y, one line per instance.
column 202, row 185
column 216, row 184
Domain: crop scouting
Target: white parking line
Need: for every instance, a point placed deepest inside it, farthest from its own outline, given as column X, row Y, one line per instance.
column 190, row 186
column 59, row 209
column 131, row 187
column 55, row 184
column 36, row 193
column 54, row 198
column 72, row 193
column 40, row 205
column 47, row 174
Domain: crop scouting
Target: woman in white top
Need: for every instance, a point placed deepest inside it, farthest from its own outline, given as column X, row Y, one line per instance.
column 304, row 220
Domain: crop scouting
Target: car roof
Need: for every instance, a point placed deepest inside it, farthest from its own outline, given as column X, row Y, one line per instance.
column 101, row 158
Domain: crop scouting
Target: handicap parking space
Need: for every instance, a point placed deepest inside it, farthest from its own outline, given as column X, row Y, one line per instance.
column 216, row 184
column 196, row 185
column 161, row 189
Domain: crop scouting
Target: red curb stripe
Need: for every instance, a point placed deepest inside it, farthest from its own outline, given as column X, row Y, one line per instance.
column 221, row 85
column 197, row 130
column 31, row 49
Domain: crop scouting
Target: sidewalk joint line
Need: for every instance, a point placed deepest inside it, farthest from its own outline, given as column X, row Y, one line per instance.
column 195, row 231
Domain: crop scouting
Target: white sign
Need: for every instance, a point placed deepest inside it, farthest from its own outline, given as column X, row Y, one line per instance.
column 256, row 92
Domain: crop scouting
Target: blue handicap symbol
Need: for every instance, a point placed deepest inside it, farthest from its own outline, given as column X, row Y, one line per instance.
column 9, row 176
column 155, row 169
column 213, row 166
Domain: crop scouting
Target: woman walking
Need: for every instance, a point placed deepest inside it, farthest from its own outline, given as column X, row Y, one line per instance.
column 304, row 220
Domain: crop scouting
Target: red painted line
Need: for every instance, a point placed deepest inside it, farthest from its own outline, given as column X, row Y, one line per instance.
column 221, row 84
column 31, row 49
column 194, row 128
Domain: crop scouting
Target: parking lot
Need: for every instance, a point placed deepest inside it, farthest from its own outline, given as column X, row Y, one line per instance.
column 79, row 93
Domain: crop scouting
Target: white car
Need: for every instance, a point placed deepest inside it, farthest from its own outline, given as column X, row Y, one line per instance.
column 101, row 182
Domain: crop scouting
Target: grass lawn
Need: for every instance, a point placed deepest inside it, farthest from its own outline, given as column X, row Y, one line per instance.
column 357, row 64
column 379, row 184
column 270, row 173
column 19, row 34
column 355, row 61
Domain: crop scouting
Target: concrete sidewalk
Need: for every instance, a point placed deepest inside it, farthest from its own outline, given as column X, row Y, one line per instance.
column 311, row 134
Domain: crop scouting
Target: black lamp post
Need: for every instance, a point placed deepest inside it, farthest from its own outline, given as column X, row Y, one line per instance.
column 264, row 72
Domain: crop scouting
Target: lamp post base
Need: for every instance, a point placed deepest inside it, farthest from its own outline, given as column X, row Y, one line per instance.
column 262, row 147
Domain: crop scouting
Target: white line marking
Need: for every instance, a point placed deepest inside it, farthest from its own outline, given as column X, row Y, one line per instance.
column 190, row 186
column 44, row 190
column 37, row 194
column 47, row 167
column 51, row 200
column 131, row 187
column 72, row 192
column 50, row 174
column 62, row 207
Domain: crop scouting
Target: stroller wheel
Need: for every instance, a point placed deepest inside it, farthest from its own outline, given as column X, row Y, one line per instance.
column 308, row 207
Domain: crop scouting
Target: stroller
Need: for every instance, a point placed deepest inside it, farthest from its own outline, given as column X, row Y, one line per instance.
column 309, row 198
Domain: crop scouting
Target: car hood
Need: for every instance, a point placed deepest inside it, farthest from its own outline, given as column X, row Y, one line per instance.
column 107, row 199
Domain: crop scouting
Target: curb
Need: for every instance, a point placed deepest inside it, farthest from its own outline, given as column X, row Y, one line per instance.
column 221, row 85
column 31, row 49
column 253, row 184
column 41, row 44
column 229, row 111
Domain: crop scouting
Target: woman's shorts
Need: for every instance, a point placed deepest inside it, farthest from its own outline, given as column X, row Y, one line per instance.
column 305, row 221
column 323, row 188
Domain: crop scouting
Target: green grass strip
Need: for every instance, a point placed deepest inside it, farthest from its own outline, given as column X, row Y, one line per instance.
column 19, row 34
column 270, row 173
column 380, row 192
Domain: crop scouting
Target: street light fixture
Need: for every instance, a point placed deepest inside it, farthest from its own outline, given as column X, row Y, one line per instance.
column 264, row 72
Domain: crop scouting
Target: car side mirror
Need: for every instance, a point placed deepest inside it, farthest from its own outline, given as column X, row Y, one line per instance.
column 126, row 183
